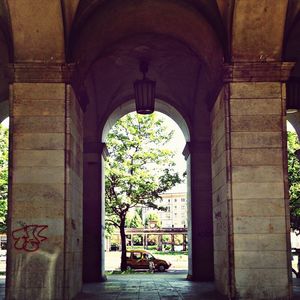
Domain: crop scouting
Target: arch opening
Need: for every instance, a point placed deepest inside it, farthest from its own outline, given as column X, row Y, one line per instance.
column 171, row 227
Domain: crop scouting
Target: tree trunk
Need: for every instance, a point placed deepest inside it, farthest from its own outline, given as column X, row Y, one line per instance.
column 123, row 244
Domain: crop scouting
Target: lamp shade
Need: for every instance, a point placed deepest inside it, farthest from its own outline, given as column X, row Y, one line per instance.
column 144, row 96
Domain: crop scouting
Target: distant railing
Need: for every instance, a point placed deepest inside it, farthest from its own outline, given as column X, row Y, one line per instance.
column 296, row 252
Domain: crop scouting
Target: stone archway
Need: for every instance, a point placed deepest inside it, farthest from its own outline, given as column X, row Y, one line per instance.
column 97, row 51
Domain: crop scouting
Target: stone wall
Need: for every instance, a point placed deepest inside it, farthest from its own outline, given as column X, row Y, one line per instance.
column 44, row 233
column 36, row 230
column 74, row 190
column 258, row 158
column 251, row 219
column 220, row 193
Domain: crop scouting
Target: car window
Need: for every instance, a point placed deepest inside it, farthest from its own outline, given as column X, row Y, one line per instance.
column 136, row 255
column 128, row 254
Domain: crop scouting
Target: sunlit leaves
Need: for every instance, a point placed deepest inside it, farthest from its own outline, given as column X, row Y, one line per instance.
column 139, row 166
column 3, row 177
column 294, row 180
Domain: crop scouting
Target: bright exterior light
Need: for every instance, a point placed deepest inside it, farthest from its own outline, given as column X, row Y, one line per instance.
column 144, row 92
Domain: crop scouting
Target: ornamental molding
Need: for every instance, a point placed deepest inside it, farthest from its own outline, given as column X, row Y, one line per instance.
column 257, row 71
column 40, row 72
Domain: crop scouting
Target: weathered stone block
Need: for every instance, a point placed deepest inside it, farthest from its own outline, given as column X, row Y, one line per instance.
column 219, row 180
column 259, row 123
column 256, row 140
column 257, row 174
column 218, row 149
column 254, row 107
column 257, row 190
column 260, row 242
column 220, row 195
column 37, row 124
column 256, row 157
column 38, row 91
column 259, row 207
column 256, row 90
column 261, row 277
column 39, row 158
column 221, row 242
column 260, row 259
column 261, row 291
column 39, row 141
column 219, row 164
column 41, row 208
column 39, row 108
column 259, row 225
column 39, row 175
column 50, row 193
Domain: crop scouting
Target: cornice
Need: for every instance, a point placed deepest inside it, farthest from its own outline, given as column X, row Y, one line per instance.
column 257, row 71
column 40, row 72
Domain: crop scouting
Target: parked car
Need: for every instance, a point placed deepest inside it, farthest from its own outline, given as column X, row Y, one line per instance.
column 141, row 259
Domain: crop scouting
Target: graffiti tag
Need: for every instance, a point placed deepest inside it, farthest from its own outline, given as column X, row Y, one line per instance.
column 28, row 237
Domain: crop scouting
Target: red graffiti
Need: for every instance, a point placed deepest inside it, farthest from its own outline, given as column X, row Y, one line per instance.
column 28, row 238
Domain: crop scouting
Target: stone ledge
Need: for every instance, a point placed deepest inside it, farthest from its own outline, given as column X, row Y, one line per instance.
column 257, row 71
column 40, row 72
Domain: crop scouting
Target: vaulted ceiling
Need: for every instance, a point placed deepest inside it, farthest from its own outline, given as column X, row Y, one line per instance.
column 185, row 42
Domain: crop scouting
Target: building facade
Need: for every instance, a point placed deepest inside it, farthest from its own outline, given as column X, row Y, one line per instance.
column 175, row 214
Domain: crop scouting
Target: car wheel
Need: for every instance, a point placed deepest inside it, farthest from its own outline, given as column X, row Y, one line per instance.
column 161, row 268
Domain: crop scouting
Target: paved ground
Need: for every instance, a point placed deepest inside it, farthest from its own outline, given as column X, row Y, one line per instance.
column 149, row 286
column 166, row 286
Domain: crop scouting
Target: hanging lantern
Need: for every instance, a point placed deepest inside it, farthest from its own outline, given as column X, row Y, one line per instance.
column 144, row 91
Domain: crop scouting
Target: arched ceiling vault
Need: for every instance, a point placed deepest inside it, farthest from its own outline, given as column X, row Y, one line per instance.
column 257, row 30
column 213, row 31
column 184, row 52
column 37, row 30
column 6, row 56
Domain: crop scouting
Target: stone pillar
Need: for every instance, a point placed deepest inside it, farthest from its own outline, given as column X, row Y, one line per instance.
column 250, row 192
column 146, row 241
column 172, row 242
column 200, row 230
column 45, row 187
column 159, row 242
column 93, row 212
column 184, row 242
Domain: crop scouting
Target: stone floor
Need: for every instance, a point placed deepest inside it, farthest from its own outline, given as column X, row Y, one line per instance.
column 156, row 286
column 144, row 286
column 149, row 286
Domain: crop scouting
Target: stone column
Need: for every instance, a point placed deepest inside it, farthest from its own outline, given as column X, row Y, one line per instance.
column 159, row 242
column 172, row 242
column 200, row 231
column 45, row 187
column 250, row 192
column 184, row 242
column 93, row 211
column 146, row 241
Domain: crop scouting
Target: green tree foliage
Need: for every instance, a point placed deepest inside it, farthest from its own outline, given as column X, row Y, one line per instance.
column 152, row 216
column 3, row 177
column 294, row 180
column 134, row 221
column 139, row 167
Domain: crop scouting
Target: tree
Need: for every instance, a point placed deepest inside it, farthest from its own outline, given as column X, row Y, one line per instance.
column 152, row 216
column 138, row 168
column 3, row 177
column 294, row 180
column 134, row 221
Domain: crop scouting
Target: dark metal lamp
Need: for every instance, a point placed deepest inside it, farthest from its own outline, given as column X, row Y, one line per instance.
column 144, row 92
